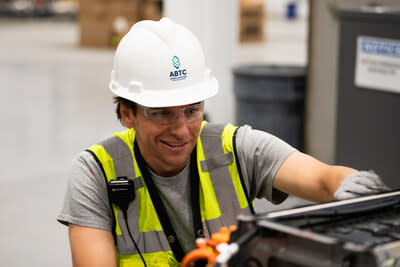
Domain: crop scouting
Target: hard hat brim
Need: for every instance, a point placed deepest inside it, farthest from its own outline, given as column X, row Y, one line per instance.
column 170, row 98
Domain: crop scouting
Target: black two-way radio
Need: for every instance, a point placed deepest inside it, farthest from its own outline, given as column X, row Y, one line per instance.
column 121, row 192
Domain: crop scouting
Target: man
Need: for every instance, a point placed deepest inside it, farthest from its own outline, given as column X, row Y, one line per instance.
column 141, row 197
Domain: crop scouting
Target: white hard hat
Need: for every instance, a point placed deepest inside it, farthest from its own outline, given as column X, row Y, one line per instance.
column 161, row 64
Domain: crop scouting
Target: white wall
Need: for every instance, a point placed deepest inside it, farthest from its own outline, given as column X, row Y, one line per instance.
column 215, row 24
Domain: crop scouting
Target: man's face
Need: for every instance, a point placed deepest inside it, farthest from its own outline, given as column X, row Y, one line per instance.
column 165, row 147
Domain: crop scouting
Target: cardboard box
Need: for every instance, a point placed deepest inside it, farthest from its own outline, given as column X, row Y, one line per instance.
column 93, row 8
column 95, row 33
column 251, row 17
column 125, row 8
column 97, row 20
column 152, row 10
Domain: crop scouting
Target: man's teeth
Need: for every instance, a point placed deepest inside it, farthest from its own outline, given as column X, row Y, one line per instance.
column 174, row 144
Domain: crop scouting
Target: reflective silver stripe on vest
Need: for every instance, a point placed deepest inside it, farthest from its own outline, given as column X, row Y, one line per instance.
column 121, row 155
column 217, row 161
column 220, row 176
column 147, row 242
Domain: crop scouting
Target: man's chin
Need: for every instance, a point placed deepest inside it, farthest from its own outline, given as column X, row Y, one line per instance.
column 178, row 163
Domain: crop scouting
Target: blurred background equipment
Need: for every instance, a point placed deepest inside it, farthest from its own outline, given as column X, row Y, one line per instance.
column 271, row 98
column 368, row 103
column 38, row 8
column 24, row 8
column 292, row 9
column 68, row 8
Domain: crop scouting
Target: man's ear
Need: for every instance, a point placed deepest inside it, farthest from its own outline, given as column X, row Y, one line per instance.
column 127, row 117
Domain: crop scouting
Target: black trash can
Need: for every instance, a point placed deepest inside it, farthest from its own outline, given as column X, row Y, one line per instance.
column 271, row 98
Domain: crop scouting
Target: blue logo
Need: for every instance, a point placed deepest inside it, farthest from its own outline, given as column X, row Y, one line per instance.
column 382, row 47
column 175, row 62
column 177, row 74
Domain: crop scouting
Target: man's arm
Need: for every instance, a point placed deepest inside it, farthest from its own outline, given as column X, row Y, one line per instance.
column 91, row 247
column 305, row 177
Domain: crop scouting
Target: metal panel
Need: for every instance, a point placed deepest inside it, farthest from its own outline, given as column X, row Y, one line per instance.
column 368, row 121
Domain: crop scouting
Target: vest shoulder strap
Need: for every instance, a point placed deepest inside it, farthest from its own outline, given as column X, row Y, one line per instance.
column 225, row 133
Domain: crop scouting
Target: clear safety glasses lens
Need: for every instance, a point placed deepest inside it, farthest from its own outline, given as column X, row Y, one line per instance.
column 169, row 115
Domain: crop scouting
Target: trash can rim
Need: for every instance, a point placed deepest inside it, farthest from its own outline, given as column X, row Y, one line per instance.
column 255, row 70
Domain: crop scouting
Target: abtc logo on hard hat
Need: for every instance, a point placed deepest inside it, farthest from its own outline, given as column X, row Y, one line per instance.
column 176, row 62
column 177, row 74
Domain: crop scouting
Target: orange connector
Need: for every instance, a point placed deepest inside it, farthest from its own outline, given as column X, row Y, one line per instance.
column 207, row 248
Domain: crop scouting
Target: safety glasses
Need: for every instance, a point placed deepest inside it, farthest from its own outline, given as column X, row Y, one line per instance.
column 170, row 114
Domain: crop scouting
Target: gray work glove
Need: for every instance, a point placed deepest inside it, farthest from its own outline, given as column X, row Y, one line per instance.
column 360, row 184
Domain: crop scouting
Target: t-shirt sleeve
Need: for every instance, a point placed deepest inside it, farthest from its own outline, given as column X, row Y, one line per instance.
column 86, row 201
column 260, row 156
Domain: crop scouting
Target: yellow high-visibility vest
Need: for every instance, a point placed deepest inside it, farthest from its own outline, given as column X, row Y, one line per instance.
column 222, row 196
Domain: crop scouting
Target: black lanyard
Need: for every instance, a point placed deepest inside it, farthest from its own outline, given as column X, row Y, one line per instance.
column 159, row 205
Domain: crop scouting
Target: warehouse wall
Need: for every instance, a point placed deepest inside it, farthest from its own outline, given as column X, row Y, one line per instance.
column 215, row 24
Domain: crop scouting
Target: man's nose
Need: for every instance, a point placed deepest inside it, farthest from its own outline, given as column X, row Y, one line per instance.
column 179, row 126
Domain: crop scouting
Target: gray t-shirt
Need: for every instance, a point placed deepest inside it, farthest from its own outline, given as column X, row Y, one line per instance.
column 260, row 155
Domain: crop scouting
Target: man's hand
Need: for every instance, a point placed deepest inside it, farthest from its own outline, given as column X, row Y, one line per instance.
column 360, row 184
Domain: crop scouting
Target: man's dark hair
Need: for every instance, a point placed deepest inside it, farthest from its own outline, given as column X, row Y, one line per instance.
column 126, row 103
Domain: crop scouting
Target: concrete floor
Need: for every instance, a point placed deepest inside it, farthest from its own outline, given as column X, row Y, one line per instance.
column 54, row 102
